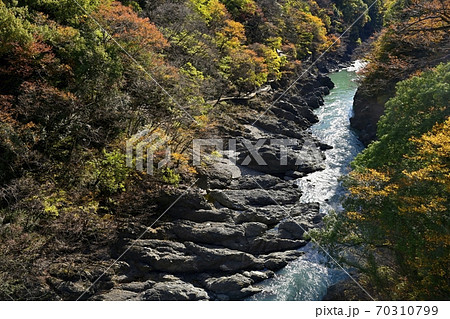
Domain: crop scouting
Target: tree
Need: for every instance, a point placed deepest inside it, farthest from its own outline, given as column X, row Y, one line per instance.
column 13, row 28
column 406, row 212
column 354, row 11
column 212, row 11
column 240, row 7
column 272, row 59
column 230, row 36
column 63, row 11
column 125, row 26
column 414, row 39
column 244, row 69
column 395, row 227
column 420, row 103
column 304, row 29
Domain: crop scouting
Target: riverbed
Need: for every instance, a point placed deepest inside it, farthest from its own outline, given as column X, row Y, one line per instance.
column 308, row 277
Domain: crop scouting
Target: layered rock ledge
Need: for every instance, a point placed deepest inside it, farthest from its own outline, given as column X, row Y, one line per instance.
column 241, row 223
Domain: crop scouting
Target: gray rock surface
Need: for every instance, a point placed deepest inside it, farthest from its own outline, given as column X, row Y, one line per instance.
column 236, row 286
column 174, row 291
column 241, row 223
column 240, row 199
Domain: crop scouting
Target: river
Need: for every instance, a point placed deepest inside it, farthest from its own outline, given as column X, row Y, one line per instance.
column 308, row 277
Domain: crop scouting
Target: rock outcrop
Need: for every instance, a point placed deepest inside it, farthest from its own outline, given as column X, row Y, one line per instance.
column 241, row 223
column 217, row 253
column 368, row 107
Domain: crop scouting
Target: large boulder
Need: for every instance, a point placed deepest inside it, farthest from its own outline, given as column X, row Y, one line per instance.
column 257, row 276
column 297, row 100
column 307, row 113
column 325, row 80
column 292, row 228
column 227, row 235
column 324, row 90
column 277, row 260
column 182, row 199
column 241, row 199
column 232, row 287
column 282, row 113
column 217, row 172
column 314, row 100
column 261, row 181
column 177, row 290
column 301, row 156
column 272, row 243
column 269, row 215
column 176, row 257
column 281, row 126
column 300, row 111
column 272, row 214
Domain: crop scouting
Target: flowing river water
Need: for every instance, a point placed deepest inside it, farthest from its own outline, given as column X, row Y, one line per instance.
column 308, row 277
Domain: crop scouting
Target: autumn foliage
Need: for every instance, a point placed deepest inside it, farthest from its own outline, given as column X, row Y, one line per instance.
column 395, row 228
column 79, row 78
column 415, row 37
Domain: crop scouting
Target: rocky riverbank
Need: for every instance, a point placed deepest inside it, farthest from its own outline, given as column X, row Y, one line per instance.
column 368, row 107
column 237, row 226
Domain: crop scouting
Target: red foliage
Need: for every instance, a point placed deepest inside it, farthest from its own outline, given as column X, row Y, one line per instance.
column 125, row 25
column 34, row 62
column 24, row 62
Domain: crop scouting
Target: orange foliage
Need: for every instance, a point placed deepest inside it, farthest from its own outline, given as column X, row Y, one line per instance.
column 409, row 210
column 428, row 21
column 26, row 61
column 125, row 25
column 231, row 35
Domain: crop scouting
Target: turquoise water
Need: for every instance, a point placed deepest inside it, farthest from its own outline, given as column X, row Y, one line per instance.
column 308, row 278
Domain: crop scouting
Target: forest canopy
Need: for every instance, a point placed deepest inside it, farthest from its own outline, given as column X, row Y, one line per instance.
column 395, row 225
column 78, row 78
